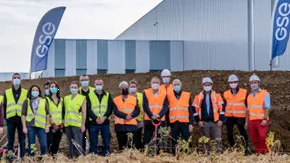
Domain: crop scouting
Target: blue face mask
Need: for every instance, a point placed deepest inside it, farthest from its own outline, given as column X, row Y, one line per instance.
column 35, row 93
column 16, row 81
column 85, row 83
column 132, row 90
column 165, row 80
column 47, row 92
column 53, row 90
column 73, row 91
column 177, row 88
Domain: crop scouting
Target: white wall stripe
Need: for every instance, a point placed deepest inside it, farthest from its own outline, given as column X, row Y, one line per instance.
column 92, row 50
column 70, row 58
column 49, row 72
column 116, row 57
column 142, row 56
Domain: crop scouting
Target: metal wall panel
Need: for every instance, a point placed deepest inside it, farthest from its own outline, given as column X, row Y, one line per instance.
column 142, row 56
column 159, row 55
column 60, row 51
column 116, row 57
column 130, row 54
column 70, row 55
column 102, row 61
column 92, row 56
column 81, row 54
column 215, row 31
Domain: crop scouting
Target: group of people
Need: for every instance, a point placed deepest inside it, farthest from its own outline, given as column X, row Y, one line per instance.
column 89, row 110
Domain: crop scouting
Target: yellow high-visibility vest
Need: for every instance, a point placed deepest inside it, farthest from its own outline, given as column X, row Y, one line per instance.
column 73, row 117
column 13, row 108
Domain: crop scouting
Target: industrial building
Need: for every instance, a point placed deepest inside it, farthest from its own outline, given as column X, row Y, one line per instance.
column 178, row 35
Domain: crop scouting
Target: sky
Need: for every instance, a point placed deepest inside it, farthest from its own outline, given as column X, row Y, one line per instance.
column 87, row 19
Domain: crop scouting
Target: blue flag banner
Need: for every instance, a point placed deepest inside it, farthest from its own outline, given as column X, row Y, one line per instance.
column 281, row 27
column 43, row 38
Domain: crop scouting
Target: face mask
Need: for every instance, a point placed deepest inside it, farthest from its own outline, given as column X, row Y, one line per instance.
column 125, row 91
column 53, row 90
column 132, row 90
column 16, row 81
column 35, row 93
column 85, row 83
column 46, row 91
column 155, row 86
column 73, row 91
column 99, row 87
column 234, row 85
column 165, row 80
column 254, row 86
column 177, row 88
column 207, row 88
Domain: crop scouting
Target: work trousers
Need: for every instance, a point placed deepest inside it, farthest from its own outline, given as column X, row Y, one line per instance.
column 258, row 134
column 122, row 137
column 74, row 133
column 11, row 128
column 53, row 140
column 240, row 122
column 213, row 132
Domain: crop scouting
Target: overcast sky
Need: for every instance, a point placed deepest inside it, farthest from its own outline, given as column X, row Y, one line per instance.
column 94, row 19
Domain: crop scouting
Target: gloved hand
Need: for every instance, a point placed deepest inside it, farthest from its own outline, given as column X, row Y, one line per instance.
column 62, row 126
column 55, row 127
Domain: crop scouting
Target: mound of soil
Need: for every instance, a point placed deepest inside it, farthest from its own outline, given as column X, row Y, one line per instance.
column 276, row 82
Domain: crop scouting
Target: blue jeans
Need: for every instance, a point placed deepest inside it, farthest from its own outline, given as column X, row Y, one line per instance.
column 41, row 135
column 11, row 128
column 105, row 133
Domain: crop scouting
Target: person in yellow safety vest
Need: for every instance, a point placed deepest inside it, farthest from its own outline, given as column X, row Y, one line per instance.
column 55, row 103
column 1, row 115
column 180, row 114
column 235, row 111
column 35, row 120
column 166, row 86
column 133, row 90
column 75, row 110
column 257, row 118
column 126, row 110
column 85, row 90
column 208, row 112
column 12, row 104
column 155, row 105
column 100, row 107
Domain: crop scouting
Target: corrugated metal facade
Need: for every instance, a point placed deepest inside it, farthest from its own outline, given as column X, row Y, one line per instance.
column 77, row 57
column 215, row 32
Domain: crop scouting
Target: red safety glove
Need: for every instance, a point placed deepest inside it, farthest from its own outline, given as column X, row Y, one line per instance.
column 62, row 126
column 55, row 127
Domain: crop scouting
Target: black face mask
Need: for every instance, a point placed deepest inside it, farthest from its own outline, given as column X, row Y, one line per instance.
column 125, row 91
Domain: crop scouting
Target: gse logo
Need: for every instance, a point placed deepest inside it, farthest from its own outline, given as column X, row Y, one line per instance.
column 282, row 21
column 45, row 39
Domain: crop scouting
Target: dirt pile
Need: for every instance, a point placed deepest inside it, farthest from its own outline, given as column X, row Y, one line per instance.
column 275, row 82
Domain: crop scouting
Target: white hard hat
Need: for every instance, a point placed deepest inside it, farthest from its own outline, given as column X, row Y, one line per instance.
column 165, row 72
column 207, row 80
column 254, row 78
column 233, row 78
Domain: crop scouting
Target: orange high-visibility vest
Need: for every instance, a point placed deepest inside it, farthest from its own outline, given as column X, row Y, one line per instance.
column 168, row 90
column 127, row 106
column 256, row 105
column 235, row 104
column 217, row 103
column 178, row 108
column 155, row 103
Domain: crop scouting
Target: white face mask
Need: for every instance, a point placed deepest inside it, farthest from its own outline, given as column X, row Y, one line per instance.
column 207, row 88
column 234, row 85
column 254, row 86
column 165, row 80
column 99, row 87
column 155, row 86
